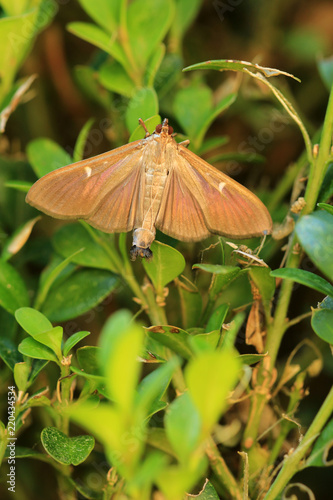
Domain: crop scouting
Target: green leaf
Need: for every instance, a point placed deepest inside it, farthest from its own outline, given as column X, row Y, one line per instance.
column 9, row 353
column 87, row 79
column 13, row 292
column 50, row 275
column 303, row 43
column 208, row 492
column 66, row 450
column 174, row 480
column 325, row 67
column 217, row 318
column 121, row 343
column 37, row 367
column 190, row 303
column 73, row 340
column 82, row 291
column 151, row 124
column 148, row 470
column 186, row 11
column 104, row 13
column 51, row 339
column 168, row 74
column 229, row 336
column 18, row 239
column 143, row 104
column 205, row 341
column 98, row 37
column 32, row 321
column 14, row 8
column 24, row 452
column 250, row 359
column 233, row 65
column 305, row 278
column 45, row 155
column 212, row 143
column 88, row 359
column 264, row 281
column 172, row 337
column 21, row 375
column 17, row 40
column 147, row 27
column 73, row 237
column 326, row 189
column 193, row 108
column 322, row 324
column 154, row 385
column 30, row 347
column 326, row 206
column 222, row 276
column 113, row 76
column 13, row 99
column 153, row 65
column 218, row 269
column 167, row 263
column 19, row 185
column 314, row 232
column 319, row 456
column 210, row 377
column 221, row 106
column 108, row 425
column 183, row 426
column 81, row 140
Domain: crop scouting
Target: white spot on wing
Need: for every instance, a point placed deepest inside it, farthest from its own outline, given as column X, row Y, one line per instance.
column 221, row 186
column 88, row 171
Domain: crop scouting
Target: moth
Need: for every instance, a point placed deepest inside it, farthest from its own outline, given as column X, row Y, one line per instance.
column 149, row 184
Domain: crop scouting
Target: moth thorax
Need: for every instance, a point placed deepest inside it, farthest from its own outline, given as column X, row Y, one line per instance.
column 143, row 238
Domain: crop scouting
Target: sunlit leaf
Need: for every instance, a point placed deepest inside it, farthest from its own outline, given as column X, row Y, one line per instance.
column 121, row 342
column 183, row 426
column 210, row 377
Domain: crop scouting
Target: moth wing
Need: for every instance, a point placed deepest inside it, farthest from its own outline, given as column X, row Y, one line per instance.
column 213, row 200
column 181, row 215
column 103, row 190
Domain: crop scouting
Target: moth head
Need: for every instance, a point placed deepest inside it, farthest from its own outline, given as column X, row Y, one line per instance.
column 164, row 128
column 144, row 253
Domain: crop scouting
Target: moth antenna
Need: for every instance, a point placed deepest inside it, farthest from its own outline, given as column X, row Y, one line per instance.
column 143, row 125
column 185, row 143
column 174, row 134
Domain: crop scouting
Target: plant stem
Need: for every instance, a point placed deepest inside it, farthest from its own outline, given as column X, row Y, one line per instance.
column 291, row 463
column 318, row 167
column 156, row 313
column 66, row 382
column 278, row 327
column 222, row 471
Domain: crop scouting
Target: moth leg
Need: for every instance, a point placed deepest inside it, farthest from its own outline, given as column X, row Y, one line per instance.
column 185, row 143
column 143, row 125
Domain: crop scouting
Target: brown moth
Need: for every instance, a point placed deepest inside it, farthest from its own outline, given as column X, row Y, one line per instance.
column 152, row 183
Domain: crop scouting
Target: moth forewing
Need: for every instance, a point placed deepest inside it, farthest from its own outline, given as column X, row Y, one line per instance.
column 148, row 184
column 77, row 190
